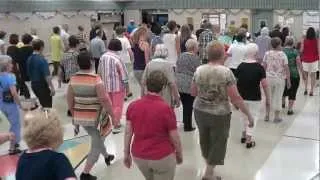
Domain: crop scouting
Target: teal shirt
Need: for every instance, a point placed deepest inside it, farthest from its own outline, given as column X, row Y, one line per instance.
column 292, row 55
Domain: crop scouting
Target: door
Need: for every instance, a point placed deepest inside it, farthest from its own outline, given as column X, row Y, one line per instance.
column 259, row 16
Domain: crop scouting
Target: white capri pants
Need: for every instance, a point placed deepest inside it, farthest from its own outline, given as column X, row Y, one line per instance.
column 276, row 89
column 254, row 108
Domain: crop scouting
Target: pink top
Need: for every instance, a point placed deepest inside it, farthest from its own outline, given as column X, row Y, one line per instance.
column 310, row 52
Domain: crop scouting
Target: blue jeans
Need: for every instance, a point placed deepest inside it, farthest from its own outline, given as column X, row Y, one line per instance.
column 11, row 111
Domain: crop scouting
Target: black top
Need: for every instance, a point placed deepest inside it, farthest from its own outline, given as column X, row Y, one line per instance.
column 44, row 165
column 198, row 32
column 276, row 33
column 25, row 52
column 249, row 76
column 13, row 52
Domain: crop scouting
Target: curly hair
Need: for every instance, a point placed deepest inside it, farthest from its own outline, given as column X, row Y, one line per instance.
column 42, row 129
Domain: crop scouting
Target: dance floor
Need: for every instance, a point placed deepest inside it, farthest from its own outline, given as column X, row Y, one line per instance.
column 76, row 149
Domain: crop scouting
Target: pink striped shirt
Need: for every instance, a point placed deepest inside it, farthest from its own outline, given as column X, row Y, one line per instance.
column 113, row 72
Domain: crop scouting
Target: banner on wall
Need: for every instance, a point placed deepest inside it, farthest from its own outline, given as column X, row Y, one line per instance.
column 311, row 19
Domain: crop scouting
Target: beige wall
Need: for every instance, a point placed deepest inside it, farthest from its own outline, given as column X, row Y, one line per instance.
column 197, row 16
column 296, row 28
column 44, row 27
column 132, row 14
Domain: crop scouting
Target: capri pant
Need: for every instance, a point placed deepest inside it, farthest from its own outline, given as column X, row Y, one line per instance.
column 162, row 169
column 97, row 145
column 11, row 111
column 292, row 92
column 214, row 134
column 276, row 88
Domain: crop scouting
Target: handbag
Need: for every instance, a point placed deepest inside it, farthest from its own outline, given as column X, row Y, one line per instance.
column 104, row 123
column 7, row 96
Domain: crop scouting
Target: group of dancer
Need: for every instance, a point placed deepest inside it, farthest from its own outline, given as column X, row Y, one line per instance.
column 203, row 71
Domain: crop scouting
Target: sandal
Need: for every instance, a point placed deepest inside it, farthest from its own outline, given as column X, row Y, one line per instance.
column 109, row 159
column 250, row 144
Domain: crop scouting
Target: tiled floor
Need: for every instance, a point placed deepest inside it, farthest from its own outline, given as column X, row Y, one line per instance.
column 286, row 151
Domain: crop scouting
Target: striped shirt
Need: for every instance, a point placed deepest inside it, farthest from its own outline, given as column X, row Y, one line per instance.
column 87, row 106
column 113, row 72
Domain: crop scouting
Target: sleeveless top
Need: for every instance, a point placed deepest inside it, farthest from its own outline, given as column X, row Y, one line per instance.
column 87, row 106
column 310, row 52
column 169, row 41
column 139, row 62
column 183, row 47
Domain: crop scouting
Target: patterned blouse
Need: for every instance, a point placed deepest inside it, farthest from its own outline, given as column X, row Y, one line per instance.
column 186, row 66
column 69, row 64
column 275, row 61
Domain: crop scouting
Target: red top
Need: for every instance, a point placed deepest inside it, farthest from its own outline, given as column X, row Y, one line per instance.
column 152, row 119
column 310, row 51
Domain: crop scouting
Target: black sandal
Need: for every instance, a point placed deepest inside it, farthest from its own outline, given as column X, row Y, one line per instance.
column 251, row 144
column 109, row 159
column 243, row 140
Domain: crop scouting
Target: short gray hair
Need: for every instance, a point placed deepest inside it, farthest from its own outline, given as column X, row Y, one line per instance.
column 4, row 62
column 251, row 49
column 191, row 44
column 161, row 51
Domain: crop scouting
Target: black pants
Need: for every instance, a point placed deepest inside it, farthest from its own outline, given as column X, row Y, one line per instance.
column 96, row 63
column 187, row 104
column 204, row 61
column 56, row 66
column 22, row 87
column 42, row 91
column 292, row 92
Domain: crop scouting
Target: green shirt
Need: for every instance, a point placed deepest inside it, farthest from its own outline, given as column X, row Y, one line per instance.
column 56, row 48
column 292, row 55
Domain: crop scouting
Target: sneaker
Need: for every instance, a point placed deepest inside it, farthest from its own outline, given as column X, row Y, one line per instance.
column 15, row 151
column 305, row 92
column 116, row 130
column 189, row 129
column 84, row 176
column 109, row 159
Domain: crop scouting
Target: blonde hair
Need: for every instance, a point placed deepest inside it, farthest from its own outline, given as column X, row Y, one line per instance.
column 215, row 51
column 138, row 33
column 42, row 129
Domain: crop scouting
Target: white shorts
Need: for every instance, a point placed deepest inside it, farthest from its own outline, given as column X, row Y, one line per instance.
column 310, row 67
